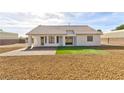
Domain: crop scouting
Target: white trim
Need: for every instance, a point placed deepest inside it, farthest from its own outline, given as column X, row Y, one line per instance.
column 78, row 40
column 29, row 44
column 55, row 40
column 63, row 40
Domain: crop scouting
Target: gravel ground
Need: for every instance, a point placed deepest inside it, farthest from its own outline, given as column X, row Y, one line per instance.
column 13, row 45
column 3, row 50
column 7, row 48
column 64, row 67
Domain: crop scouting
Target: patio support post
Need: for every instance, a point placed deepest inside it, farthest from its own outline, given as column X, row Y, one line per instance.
column 47, row 41
column 29, row 41
column 63, row 40
column 55, row 40
column 36, row 41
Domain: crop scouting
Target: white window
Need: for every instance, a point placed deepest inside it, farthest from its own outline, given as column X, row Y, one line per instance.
column 51, row 39
column 90, row 38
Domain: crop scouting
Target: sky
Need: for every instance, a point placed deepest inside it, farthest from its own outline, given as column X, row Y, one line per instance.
column 23, row 22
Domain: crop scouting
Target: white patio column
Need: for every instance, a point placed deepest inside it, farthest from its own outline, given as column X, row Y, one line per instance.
column 29, row 41
column 63, row 40
column 75, row 41
column 36, row 41
column 55, row 39
column 47, row 40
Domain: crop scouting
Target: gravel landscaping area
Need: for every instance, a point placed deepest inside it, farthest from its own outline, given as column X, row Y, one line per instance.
column 65, row 67
column 29, row 52
column 2, row 50
column 7, row 48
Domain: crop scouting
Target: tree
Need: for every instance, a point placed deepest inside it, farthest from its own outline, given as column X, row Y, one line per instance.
column 120, row 27
column 99, row 30
column 1, row 30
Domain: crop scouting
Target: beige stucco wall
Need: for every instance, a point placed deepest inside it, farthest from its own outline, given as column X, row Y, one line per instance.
column 114, row 34
column 113, row 37
column 82, row 40
column 7, row 35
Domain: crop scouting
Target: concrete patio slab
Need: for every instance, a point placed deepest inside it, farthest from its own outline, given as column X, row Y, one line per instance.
column 29, row 52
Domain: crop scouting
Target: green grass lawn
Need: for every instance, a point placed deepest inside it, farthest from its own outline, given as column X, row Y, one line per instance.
column 80, row 50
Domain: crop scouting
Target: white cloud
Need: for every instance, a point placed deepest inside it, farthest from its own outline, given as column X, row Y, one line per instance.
column 22, row 22
column 30, row 19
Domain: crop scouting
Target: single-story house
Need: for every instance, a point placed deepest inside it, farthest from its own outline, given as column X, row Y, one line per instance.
column 8, row 38
column 113, row 37
column 63, row 35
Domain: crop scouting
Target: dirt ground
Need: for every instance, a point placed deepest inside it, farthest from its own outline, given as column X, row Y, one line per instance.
column 14, row 45
column 65, row 67
column 6, row 48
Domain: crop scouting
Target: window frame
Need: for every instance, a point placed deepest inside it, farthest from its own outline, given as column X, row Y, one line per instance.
column 51, row 39
column 57, row 39
column 90, row 38
column 69, row 40
column 42, row 40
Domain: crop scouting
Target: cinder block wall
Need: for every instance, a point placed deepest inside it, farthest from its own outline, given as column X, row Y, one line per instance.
column 114, row 41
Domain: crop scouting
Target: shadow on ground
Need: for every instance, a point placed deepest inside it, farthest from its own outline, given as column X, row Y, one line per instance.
column 40, row 48
column 103, row 47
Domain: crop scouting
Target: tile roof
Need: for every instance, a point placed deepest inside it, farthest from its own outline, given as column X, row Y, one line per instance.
column 61, row 29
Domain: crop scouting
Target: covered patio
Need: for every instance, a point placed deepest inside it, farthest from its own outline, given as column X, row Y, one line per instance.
column 51, row 40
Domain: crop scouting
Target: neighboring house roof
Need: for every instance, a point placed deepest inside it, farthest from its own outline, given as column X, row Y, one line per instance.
column 114, row 34
column 8, row 35
column 62, row 29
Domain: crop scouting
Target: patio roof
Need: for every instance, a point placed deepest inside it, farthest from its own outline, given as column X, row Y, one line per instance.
column 61, row 29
